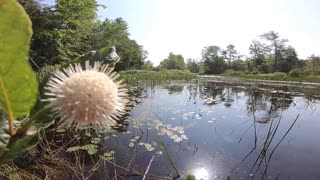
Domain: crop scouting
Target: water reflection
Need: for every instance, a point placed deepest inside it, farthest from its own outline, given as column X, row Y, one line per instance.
column 232, row 131
column 215, row 131
column 175, row 88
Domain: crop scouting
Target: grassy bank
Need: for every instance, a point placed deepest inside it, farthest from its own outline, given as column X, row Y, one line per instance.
column 277, row 76
column 136, row 76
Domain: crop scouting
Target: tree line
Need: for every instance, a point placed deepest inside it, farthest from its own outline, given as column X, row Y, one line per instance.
column 68, row 29
column 269, row 54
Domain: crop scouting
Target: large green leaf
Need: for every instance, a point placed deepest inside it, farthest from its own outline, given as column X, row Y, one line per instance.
column 18, row 85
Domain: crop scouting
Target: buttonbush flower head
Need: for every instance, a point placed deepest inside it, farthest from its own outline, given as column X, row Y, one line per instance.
column 89, row 98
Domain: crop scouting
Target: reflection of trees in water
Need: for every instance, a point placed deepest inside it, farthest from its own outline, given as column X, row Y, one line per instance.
column 267, row 106
column 270, row 106
column 214, row 94
column 174, row 89
column 209, row 92
column 193, row 90
column 227, row 97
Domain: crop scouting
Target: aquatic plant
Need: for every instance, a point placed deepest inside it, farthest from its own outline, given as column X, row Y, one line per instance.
column 134, row 77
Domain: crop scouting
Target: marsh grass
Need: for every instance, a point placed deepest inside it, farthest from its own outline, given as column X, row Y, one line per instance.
column 51, row 159
column 163, row 146
column 133, row 77
column 277, row 76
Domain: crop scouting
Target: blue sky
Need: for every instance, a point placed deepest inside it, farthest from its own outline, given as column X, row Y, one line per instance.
column 186, row 26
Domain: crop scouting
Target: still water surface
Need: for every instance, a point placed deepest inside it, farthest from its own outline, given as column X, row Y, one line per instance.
column 215, row 131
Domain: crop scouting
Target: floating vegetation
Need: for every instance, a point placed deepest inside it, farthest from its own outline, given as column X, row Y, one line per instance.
column 90, row 148
column 109, row 155
column 175, row 133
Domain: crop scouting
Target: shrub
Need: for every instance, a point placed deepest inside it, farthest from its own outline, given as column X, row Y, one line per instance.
column 315, row 72
column 279, row 75
column 295, row 73
column 255, row 72
column 230, row 72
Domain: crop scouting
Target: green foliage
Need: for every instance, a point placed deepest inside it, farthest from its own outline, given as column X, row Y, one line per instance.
column 311, row 65
column 16, row 146
column 147, row 65
column 279, row 75
column 230, row 53
column 231, row 72
column 295, row 73
column 18, row 85
column 238, row 65
column 90, row 148
column 115, row 33
column 173, row 62
column 193, row 66
column 213, row 62
column 75, row 27
column 44, row 44
column 136, row 76
column 255, row 72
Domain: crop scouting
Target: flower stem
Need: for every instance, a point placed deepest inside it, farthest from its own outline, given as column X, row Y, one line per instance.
column 25, row 126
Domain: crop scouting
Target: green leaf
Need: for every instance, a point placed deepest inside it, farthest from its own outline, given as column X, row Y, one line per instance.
column 18, row 85
column 91, row 148
column 18, row 146
column 75, row 148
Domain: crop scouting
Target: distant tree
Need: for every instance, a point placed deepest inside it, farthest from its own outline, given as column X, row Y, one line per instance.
column 77, row 20
column 193, row 65
column 276, row 44
column 314, row 62
column 230, row 53
column 173, row 62
column 311, row 65
column 44, row 42
column 147, row 65
column 213, row 61
column 259, row 52
column 288, row 59
column 70, row 28
column 116, row 33
column 61, row 32
column 238, row 65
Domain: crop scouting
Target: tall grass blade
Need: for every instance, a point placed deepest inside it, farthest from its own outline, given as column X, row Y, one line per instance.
column 166, row 151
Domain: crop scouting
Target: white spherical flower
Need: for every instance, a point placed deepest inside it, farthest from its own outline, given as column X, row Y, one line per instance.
column 89, row 98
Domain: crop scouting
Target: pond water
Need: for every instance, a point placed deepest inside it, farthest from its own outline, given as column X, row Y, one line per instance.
column 214, row 131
